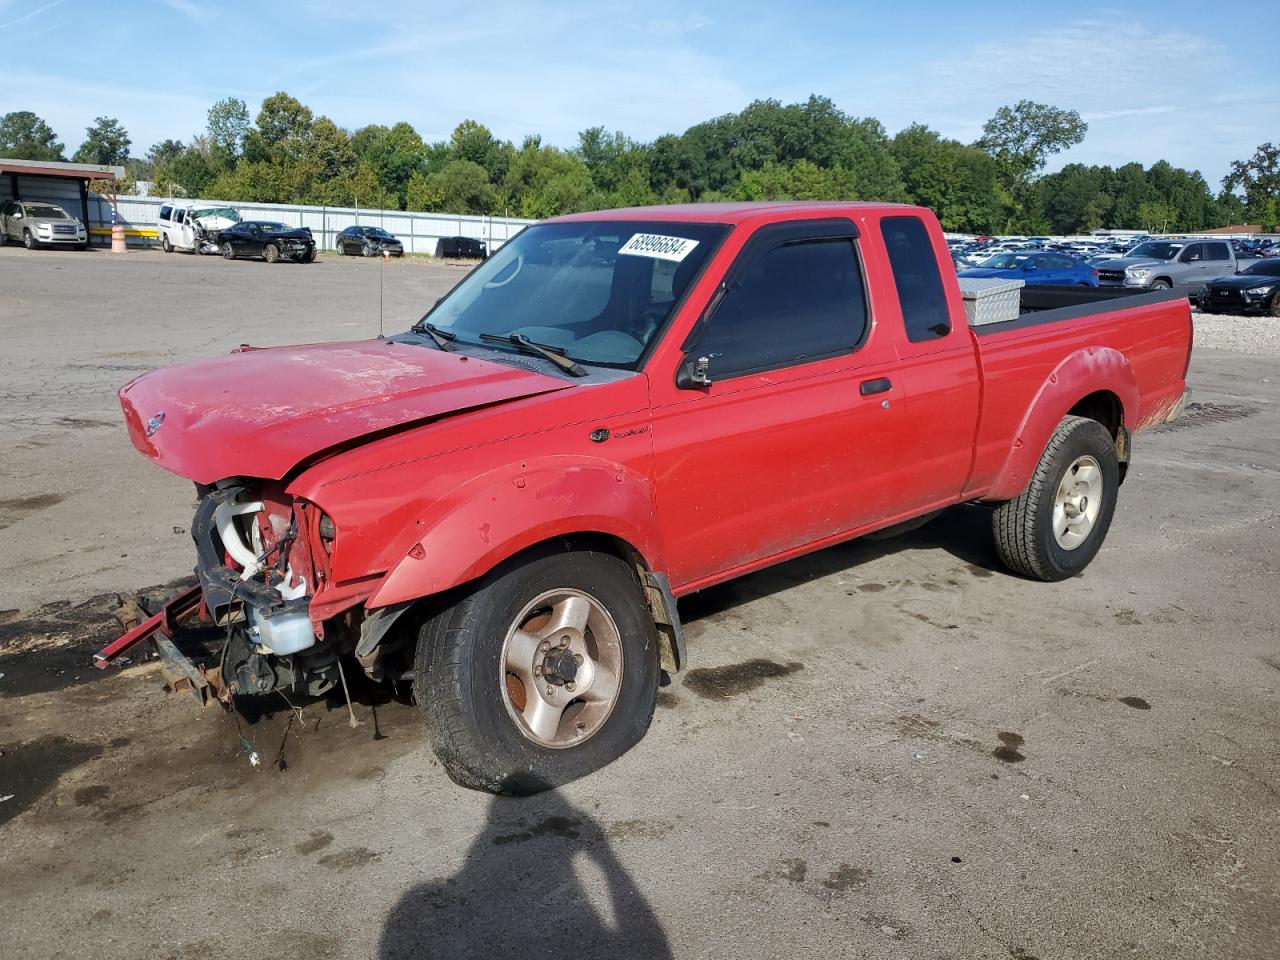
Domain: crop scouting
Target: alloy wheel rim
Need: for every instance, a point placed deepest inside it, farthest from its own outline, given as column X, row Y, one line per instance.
column 561, row 668
column 1077, row 503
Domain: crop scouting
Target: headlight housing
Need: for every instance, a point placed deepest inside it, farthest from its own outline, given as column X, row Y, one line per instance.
column 1138, row 273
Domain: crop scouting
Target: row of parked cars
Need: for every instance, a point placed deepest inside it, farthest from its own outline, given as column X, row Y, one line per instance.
column 219, row 229
column 1210, row 271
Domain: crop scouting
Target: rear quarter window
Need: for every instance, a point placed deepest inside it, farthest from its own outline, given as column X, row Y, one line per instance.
column 165, row 212
column 917, row 279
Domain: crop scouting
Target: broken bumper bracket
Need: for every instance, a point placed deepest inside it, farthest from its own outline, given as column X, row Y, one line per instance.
column 172, row 615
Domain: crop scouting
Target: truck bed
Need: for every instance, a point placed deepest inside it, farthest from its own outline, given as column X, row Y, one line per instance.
column 1140, row 340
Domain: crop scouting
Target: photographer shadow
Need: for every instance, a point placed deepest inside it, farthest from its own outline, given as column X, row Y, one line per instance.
column 521, row 893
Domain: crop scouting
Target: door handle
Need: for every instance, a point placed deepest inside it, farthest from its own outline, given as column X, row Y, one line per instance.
column 881, row 385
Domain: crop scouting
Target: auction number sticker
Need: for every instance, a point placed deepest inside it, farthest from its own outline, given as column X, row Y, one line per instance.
column 656, row 245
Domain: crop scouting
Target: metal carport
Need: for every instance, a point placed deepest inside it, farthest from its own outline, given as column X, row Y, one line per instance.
column 64, row 184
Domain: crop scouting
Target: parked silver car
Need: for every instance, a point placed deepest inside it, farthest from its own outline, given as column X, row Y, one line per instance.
column 1182, row 265
column 35, row 224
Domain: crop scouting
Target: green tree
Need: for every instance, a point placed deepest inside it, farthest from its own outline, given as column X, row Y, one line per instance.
column 24, row 136
column 475, row 142
column 282, row 127
column 106, row 142
column 190, row 174
column 1157, row 216
column 463, row 186
column 1023, row 137
column 228, row 126
column 545, row 182
column 165, row 150
column 395, row 154
column 1257, row 180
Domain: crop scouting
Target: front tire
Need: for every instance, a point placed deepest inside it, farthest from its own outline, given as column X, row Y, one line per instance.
column 542, row 672
column 1159, row 285
column 1056, row 527
column 1275, row 304
column 271, row 253
column 228, row 252
column 29, row 240
column 366, row 250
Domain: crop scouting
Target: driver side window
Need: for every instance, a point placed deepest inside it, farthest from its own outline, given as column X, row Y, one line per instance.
column 797, row 303
column 1192, row 254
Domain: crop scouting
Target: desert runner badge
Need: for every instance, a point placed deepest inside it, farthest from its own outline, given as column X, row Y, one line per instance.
column 656, row 245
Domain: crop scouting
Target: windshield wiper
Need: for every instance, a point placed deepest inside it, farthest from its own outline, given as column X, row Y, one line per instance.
column 443, row 338
column 554, row 354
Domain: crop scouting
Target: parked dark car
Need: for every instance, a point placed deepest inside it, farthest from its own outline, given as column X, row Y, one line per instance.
column 368, row 242
column 1037, row 269
column 271, row 241
column 468, row 247
column 1255, row 289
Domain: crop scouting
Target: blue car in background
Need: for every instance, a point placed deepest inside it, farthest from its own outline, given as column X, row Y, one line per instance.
column 1036, row 269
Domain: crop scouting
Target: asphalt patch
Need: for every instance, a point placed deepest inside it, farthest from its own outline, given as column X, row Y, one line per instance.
column 1009, row 750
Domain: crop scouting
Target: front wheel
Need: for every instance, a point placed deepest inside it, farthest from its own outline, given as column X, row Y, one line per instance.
column 1275, row 304
column 366, row 250
column 1159, row 285
column 271, row 253
column 227, row 252
column 1056, row 527
column 29, row 240
column 543, row 672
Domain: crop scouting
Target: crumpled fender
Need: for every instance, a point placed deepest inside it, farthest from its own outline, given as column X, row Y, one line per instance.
column 1088, row 370
column 498, row 514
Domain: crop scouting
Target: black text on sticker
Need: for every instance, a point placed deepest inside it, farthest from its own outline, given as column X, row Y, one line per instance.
column 656, row 245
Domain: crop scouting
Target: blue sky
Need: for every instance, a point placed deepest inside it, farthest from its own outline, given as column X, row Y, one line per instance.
column 1172, row 80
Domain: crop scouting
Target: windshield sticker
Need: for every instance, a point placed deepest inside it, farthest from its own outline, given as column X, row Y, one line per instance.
column 655, row 245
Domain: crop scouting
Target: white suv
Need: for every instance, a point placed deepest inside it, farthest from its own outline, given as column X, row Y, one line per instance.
column 36, row 224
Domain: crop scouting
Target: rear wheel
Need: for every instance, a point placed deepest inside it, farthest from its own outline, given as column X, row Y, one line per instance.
column 165, row 245
column 1056, row 527
column 271, row 253
column 546, row 670
column 1275, row 304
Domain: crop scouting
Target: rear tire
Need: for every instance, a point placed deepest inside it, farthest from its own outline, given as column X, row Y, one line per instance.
column 165, row 245
column 1275, row 304
column 1056, row 527
column 271, row 253
column 480, row 664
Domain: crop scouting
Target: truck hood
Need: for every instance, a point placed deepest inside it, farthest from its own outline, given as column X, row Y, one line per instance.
column 261, row 412
column 1123, row 263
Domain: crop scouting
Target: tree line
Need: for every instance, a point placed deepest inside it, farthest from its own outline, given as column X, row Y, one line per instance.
column 768, row 151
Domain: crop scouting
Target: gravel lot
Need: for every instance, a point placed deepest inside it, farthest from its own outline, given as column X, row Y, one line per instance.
column 888, row 749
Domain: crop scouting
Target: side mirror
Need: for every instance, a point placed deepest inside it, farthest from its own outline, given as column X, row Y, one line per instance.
column 694, row 374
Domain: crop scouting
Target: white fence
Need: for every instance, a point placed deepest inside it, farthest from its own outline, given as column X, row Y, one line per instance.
column 420, row 232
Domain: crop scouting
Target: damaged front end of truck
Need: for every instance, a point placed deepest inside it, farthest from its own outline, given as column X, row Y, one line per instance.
column 264, row 583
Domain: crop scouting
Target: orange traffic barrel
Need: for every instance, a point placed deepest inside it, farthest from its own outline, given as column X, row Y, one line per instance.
column 117, row 238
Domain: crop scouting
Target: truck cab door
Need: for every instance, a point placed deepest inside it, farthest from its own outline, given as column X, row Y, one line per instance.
column 777, row 430
column 938, row 367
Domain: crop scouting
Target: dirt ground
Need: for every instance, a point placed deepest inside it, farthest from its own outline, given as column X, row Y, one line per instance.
column 887, row 749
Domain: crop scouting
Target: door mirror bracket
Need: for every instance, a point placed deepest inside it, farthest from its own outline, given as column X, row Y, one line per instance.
column 694, row 374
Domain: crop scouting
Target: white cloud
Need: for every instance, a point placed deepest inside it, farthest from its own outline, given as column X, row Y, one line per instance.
column 31, row 15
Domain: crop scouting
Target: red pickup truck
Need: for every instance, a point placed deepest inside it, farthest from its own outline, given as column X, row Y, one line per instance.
column 617, row 409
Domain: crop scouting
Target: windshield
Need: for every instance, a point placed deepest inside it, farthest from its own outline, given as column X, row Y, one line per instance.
column 1266, row 268
column 1005, row 261
column 377, row 232
column 268, row 227
column 46, row 211
column 1157, row 250
column 598, row 290
column 224, row 213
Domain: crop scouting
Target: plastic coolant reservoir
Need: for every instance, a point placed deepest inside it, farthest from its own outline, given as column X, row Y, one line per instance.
column 283, row 634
